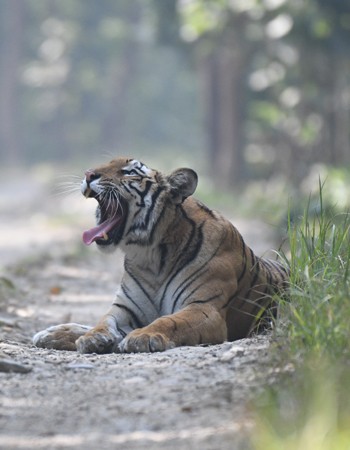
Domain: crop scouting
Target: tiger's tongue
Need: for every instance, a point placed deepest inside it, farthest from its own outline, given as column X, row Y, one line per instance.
column 98, row 232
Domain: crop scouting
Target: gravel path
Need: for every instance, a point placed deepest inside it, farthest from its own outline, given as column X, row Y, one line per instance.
column 196, row 398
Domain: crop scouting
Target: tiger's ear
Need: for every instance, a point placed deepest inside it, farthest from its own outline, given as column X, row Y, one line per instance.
column 183, row 183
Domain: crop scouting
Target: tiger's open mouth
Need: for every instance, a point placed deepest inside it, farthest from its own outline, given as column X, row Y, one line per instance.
column 111, row 221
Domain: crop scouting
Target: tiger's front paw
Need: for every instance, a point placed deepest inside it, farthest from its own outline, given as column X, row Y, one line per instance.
column 60, row 337
column 102, row 341
column 142, row 341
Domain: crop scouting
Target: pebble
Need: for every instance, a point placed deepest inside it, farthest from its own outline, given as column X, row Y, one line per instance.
column 234, row 352
column 9, row 365
column 8, row 322
column 73, row 366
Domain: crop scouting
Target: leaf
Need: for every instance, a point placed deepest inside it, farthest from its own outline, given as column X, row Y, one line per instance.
column 55, row 290
column 6, row 283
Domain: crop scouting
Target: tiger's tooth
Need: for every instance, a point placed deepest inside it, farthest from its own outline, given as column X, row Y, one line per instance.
column 87, row 192
column 105, row 236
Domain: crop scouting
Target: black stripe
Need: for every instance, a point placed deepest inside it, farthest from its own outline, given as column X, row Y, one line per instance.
column 134, row 171
column 163, row 250
column 131, row 313
column 141, row 169
column 268, row 272
column 253, row 281
column 144, row 225
column 268, row 263
column 198, row 273
column 231, row 299
column 184, row 300
column 252, row 257
column 201, row 267
column 256, row 275
column 200, row 340
column 155, row 225
column 126, row 188
column 205, row 208
column 142, row 193
column 280, row 269
column 120, row 331
column 179, row 265
column 182, row 264
column 272, row 268
column 244, row 256
column 153, row 204
column 145, row 293
column 115, row 319
column 207, row 300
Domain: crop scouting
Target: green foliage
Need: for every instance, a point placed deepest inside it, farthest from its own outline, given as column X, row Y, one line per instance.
column 7, row 290
column 199, row 17
column 309, row 411
column 310, row 407
column 295, row 63
column 320, row 283
column 267, row 112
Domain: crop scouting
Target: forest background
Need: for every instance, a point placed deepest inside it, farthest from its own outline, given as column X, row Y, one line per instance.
column 242, row 89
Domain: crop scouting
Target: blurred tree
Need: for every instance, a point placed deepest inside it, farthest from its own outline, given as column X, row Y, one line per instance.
column 273, row 75
column 11, row 17
column 303, row 117
column 88, row 76
column 223, row 66
column 276, row 83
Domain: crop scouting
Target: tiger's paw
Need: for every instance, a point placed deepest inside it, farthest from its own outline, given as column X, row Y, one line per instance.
column 102, row 341
column 141, row 341
column 60, row 337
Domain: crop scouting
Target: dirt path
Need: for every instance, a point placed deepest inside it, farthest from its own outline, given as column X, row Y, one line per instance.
column 194, row 398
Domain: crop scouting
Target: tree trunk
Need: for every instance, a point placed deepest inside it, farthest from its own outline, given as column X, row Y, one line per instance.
column 11, row 47
column 341, row 111
column 225, row 133
column 122, row 76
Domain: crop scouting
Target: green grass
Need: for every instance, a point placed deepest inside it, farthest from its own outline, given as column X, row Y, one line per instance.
column 310, row 409
column 316, row 316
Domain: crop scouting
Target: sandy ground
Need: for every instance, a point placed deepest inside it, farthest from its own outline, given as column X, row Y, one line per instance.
column 196, row 398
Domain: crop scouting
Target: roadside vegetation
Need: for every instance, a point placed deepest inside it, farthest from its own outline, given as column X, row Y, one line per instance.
column 310, row 407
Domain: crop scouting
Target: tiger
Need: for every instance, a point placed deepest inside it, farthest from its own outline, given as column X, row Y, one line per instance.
column 189, row 278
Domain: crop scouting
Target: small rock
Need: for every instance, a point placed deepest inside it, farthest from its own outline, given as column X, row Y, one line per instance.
column 72, row 366
column 187, row 409
column 8, row 322
column 234, row 352
column 135, row 380
column 9, row 365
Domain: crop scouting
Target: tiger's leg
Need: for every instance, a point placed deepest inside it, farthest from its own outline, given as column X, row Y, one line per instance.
column 195, row 324
column 107, row 334
column 60, row 337
column 103, row 338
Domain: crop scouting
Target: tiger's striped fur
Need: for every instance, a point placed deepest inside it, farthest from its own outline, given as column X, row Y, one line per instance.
column 189, row 277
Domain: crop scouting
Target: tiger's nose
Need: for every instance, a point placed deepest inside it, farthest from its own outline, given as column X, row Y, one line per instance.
column 90, row 175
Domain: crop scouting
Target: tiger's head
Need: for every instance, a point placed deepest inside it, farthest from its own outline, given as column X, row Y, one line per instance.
column 134, row 201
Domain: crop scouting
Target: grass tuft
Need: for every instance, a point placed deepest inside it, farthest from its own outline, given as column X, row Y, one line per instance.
column 315, row 319
column 310, row 411
column 311, row 408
